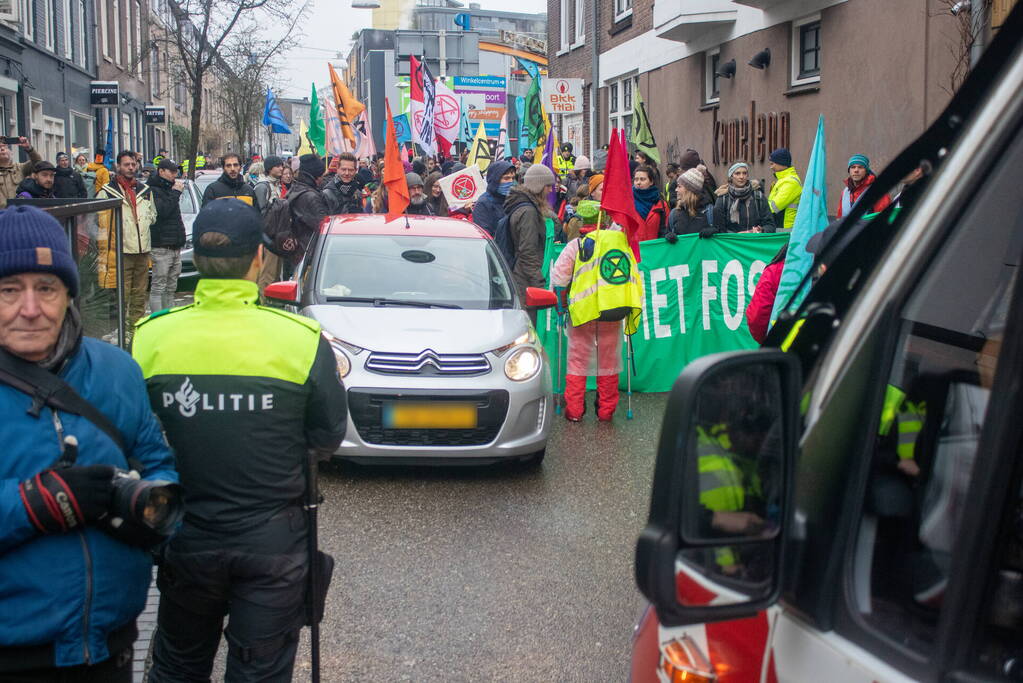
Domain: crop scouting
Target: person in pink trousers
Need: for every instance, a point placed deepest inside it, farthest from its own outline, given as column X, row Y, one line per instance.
column 594, row 347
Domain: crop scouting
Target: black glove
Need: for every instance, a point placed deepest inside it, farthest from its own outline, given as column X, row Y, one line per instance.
column 708, row 232
column 670, row 237
column 64, row 499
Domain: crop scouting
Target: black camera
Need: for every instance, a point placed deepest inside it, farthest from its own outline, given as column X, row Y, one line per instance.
column 155, row 507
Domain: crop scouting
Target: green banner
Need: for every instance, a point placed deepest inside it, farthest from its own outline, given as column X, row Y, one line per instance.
column 696, row 292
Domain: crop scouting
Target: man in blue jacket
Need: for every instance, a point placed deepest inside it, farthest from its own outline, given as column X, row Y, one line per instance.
column 69, row 590
column 489, row 209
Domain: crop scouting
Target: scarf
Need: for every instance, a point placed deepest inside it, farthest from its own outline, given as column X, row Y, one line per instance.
column 67, row 341
column 128, row 185
column 738, row 213
column 645, row 199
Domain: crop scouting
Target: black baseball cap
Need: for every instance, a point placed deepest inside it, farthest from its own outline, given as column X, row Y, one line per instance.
column 168, row 165
column 238, row 221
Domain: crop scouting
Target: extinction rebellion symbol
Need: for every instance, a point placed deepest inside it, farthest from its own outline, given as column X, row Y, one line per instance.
column 463, row 187
column 615, row 267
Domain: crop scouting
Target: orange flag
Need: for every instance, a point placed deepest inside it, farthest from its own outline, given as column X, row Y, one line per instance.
column 347, row 106
column 394, row 172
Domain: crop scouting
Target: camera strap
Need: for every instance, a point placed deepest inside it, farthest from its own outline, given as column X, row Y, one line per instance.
column 47, row 389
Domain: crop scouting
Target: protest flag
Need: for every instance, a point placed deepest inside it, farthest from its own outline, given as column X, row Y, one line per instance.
column 536, row 123
column 108, row 151
column 402, row 128
column 503, row 148
column 347, row 106
column 642, row 133
column 479, row 153
column 423, row 99
column 520, row 110
column 334, row 140
column 394, row 172
column 550, row 148
column 303, row 135
column 446, row 117
column 617, row 201
column 464, row 127
column 272, row 115
column 811, row 218
column 317, row 132
column 367, row 147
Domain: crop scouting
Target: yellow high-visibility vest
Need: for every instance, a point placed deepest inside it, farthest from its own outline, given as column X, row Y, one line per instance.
column 609, row 281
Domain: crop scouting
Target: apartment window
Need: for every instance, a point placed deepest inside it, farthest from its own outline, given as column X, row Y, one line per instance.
column 115, row 24
column 125, row 132
column 28, row 10
column 154, row 75
column 53, row 137
column 129, row 48
column 137, row 58
column 35, row 115
column 623, row 8
column 612, row 98
column 65, row 8
column 10, row 10
column 50, row 22
column 81, row 132
column 6, row 115
column 565, row 23
column 101, row 10
column 806, row 50
column 712, row 82
column 580, row 24
column 80, row 13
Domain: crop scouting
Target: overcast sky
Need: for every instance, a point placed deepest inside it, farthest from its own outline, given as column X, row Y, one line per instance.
column 328, row 31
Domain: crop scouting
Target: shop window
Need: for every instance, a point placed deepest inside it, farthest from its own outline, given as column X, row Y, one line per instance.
column 6, row 116
column 620, row 103
column 712, row 82
column 806, row 50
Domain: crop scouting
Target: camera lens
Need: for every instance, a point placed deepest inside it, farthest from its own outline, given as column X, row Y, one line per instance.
column 155, row 504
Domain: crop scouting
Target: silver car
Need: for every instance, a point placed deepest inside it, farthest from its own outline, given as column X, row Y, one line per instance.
column 438, row 355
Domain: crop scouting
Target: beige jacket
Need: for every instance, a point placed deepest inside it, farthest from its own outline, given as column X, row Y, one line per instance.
column 12, row 174
column 135, row 222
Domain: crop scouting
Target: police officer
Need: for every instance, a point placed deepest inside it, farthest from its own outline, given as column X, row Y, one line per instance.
column 71, row 592
column 605, row 289
column 243, row 393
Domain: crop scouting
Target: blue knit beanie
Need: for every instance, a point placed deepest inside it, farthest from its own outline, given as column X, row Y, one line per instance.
column 781, row 156
column 32, row 241
column 860, row 159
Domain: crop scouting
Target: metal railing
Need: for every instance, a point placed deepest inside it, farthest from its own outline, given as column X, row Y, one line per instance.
column 74, row 215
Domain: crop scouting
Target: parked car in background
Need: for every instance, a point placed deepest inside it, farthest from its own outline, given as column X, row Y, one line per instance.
column 438, row 355
column 190, row 200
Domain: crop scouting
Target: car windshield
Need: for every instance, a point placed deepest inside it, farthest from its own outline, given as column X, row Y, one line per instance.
column 413, row 270
column 187, row 202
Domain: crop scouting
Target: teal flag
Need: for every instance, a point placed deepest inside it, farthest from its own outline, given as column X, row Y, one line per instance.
column 535, row 119
column 811, row 218
column 695, row 296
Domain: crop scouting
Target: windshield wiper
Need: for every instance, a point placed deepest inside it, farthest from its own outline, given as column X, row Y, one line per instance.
column 382, row 301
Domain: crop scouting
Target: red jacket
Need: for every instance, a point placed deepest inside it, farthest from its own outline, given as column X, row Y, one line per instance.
column 758, row 313
column 851, row 194
column 655, row 222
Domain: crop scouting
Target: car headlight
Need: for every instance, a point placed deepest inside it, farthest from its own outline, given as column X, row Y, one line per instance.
column 522, row 364
column 527, row 337
column 341, row 350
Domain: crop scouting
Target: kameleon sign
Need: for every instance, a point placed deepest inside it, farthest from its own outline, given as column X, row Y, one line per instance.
column 563, row 95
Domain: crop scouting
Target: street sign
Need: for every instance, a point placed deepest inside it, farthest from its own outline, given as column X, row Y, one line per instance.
column 156, row 114
column 563, row 95
column 492, row 90
column 104, row 93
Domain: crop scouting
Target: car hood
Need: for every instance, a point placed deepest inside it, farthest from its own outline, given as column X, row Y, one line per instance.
column 397, row 329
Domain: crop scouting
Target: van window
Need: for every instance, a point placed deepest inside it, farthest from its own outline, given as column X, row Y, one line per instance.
column 925, row 438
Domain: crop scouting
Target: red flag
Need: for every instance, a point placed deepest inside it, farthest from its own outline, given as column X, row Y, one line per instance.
column 617, row 199
column 394, row 172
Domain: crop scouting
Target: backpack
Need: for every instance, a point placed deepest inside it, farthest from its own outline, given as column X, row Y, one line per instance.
column 503, row 237
column 277, row 227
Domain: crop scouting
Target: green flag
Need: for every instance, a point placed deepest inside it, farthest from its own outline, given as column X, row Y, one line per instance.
column 317, row 132
column 534, row 112
column 642, row 134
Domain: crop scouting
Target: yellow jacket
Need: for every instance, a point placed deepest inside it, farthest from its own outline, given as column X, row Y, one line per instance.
column 785, row 196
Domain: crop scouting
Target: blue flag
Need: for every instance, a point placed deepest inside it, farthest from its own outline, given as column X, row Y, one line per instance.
column 108, row 151
column 520, row 110
column 402, row 129
column 465, row 132
column 811, row 218
column 272, row 115
column 531, row 68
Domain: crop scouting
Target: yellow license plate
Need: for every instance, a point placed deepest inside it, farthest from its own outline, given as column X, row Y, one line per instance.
column 408, row 415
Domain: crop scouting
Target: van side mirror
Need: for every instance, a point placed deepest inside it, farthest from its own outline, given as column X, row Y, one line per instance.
column 720, row 506
column 286, row 291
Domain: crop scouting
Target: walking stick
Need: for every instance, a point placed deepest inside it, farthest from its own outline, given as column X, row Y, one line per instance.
column 632, row 369
column 312, row 503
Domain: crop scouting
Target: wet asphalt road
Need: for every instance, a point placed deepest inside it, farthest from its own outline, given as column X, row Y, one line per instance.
column 487, row 574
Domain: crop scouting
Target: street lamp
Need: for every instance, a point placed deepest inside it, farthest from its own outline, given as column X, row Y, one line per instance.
column 365, row 4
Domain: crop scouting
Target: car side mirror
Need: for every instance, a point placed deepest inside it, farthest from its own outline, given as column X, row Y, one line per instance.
column 286, row 291
column 537, row 297
column 720, row 506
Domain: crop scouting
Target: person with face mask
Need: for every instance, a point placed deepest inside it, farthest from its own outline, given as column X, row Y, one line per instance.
column 489, row 209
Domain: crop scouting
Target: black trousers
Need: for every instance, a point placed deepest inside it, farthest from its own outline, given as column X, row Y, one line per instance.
column 257, row 579
column 115, row 669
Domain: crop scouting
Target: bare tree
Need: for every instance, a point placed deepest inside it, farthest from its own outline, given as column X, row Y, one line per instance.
column 966, row 33
column 247, row 69
column 202, row 32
